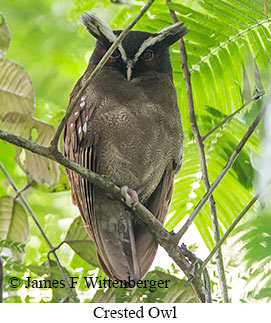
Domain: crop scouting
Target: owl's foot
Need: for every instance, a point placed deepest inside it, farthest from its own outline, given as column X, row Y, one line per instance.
column 130, row 196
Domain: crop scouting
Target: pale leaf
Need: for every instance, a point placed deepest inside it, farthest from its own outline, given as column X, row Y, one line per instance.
column 14, row 225
column 4, row 35
column 40, row 169
column 16, row 91
column 78, row 239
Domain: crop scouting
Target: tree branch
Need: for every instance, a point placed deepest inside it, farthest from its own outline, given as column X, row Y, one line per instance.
column 203, row 163
column 194, row 262
column 222, row 174
column 109, row 52
column 230, row 229
column 253, row 99
column 163, row 237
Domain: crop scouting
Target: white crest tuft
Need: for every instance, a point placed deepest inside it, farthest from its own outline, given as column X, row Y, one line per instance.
column 100, row 29
column 173, row 30
column 97, row 27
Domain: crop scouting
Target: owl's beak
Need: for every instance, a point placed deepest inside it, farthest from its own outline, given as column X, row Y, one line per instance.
column 129, row 66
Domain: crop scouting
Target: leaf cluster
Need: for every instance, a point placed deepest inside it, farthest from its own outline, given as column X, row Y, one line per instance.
column 229, row 51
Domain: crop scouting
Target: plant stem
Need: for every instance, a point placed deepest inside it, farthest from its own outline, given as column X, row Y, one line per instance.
column 163, row 237
column 230, row 229
column 222, row 174
column 203, row 163
column 30, row 211
column 253, row 99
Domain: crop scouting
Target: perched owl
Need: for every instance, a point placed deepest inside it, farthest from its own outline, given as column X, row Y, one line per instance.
column 126, row 127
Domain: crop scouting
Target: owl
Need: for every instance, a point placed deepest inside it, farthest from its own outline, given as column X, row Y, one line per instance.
column 126, row 127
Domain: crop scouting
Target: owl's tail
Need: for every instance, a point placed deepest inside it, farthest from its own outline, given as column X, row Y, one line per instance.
column 125, row 248
column 115, row 238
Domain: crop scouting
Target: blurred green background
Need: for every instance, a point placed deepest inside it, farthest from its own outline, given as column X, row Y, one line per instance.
column 229, row 56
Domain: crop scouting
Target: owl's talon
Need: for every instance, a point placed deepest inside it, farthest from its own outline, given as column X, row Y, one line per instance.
column 130, row 196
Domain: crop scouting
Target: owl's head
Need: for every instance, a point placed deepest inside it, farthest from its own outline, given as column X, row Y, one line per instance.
column 139, row 52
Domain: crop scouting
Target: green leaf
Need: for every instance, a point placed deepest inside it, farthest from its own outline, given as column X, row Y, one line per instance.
column 40, row 169
column 14, row 224
column 188, row 188
column 56, row 119
column 255, row 255
column 170, row 290
column 229, row 52
column 17, row 246
column 4, row 35
column 61, row 289
column 264, row 293
column 39, row 270
column 78, row 239
column 16, row 91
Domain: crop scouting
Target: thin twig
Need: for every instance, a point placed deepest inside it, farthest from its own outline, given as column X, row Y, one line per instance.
column 230, row 229
column 161, row 234
column 222, row 174
column 195, row 261
column 203, row 163
column 25, row 204
column 94, row 178
column 207, row 285
column 22, row 198
column 164, row 238
column 23, row 189
column 56, row 248
column 253, row 99
column 109, row 52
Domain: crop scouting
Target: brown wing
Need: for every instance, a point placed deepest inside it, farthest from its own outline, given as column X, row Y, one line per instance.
column 124, row 252
column 106, row 220
column 79, row 145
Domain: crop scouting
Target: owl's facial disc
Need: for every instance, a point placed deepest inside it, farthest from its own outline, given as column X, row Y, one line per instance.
column 139, row 52
column 147, row 51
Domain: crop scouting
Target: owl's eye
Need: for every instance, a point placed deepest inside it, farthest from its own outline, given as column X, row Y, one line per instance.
column 147, row 55
column 115, row 54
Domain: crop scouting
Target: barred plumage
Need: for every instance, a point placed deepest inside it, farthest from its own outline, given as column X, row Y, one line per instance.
column 127, row 127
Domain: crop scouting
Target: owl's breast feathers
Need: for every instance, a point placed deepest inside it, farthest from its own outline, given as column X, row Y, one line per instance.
column 139, row 129
column 130, row 132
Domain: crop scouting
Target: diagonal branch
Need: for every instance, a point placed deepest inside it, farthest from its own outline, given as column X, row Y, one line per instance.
column 230, row 229
column 163, row 237
column 222, row 174
column 94, row 178
column 122, row 35
column 256, row 97
column 203, row 163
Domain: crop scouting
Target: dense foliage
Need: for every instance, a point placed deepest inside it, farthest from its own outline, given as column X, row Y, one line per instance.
column 229, row 55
